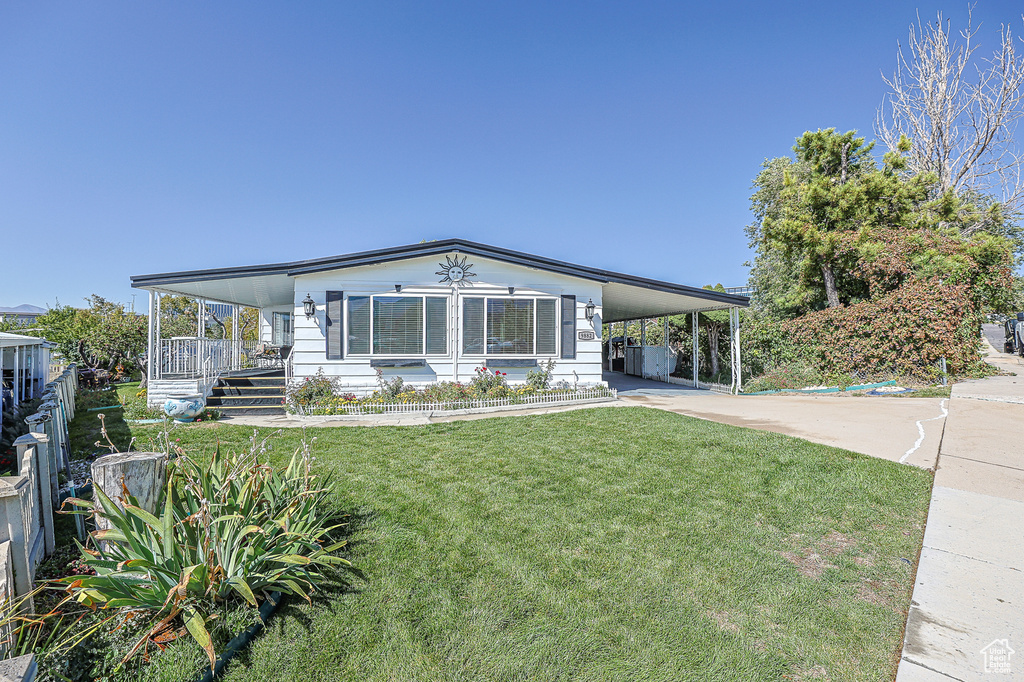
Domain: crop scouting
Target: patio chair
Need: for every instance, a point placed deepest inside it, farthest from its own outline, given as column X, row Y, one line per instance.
column 265, row 355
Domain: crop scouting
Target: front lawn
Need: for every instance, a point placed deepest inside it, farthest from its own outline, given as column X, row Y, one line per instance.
column 600, row 544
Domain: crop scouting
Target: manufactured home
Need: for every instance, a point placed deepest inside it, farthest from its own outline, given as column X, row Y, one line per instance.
column 427, row 312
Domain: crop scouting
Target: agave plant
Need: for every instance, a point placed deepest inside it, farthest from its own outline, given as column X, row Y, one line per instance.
column 233, row 529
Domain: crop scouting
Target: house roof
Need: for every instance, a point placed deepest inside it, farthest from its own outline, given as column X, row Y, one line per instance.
column 624, row 296
column 8, row 339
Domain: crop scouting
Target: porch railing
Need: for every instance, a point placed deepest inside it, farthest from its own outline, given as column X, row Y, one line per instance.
column 195, row 358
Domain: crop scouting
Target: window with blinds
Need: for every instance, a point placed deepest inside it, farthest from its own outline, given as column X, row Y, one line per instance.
column 436, row 328
column 397, row 325
column 509, row 326
column 547, row 326
column 359, row 325
column 473, row 326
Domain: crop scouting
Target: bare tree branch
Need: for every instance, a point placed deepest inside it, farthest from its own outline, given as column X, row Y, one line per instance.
column 960, row 114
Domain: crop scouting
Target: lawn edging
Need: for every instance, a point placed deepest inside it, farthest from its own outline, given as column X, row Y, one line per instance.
column 832, row 389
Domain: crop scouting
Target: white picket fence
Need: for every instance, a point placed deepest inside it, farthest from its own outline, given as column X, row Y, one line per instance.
column 717, row 388
column 582, row 395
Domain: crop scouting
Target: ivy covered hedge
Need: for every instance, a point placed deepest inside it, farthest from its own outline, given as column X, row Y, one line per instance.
column 901, row 334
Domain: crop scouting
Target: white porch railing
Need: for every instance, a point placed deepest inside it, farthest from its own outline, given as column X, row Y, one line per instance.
column 195, row 358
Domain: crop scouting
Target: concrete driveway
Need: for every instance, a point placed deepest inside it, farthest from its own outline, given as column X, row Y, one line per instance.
column 894, row 428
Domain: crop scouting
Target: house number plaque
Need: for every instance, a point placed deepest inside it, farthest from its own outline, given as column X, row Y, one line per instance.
column 586, row 336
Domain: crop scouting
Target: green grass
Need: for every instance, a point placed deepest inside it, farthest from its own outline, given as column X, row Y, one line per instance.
column 85, row 429
column 600, row 544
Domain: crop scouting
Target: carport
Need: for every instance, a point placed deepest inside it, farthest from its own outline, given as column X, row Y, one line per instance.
column 625, row 304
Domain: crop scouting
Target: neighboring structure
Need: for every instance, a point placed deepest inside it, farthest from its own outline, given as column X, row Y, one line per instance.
column 24, row 369
column 23, row 314
column 24, row 366
column 428, row 312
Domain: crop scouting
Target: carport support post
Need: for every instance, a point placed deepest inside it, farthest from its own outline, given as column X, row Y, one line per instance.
column 668, row 355
column 738, row 371
column 643, row 349
column 156, row 349
column 732, row 351
column 696, row 349
column 149, row 340
column 236, row 347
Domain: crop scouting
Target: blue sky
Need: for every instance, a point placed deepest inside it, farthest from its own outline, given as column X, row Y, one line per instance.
column 139, row 138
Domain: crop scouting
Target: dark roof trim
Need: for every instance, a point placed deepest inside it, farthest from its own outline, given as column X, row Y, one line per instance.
column 140, row 281
column 439, row 247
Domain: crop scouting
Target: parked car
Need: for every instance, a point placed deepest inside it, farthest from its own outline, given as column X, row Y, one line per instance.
column 1014, row 332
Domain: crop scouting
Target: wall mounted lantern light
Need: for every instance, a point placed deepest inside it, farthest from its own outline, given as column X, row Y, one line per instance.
column 398, row 288
column 309, row 305
column 590, row 309
column 511, row 290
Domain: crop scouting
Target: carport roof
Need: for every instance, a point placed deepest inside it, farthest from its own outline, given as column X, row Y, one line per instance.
column 624, row 297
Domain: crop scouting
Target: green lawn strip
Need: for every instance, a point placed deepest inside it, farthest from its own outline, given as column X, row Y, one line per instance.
column 85, row 429
column 600, row 544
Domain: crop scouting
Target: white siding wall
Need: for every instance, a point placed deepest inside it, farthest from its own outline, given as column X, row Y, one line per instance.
column 417, row 277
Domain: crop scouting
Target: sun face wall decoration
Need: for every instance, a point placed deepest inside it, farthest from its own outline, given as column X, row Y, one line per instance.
column 455, row 271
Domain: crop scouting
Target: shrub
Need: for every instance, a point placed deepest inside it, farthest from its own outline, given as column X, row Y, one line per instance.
column 313, row 390
column 794, row 375
column 389, row 388
column 447, row 392
column 486, row 384
column 540, row 379
column 903, row 333
column 232, row 530
column 766, row 345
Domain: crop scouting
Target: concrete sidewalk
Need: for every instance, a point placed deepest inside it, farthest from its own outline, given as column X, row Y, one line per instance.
column 968, row 599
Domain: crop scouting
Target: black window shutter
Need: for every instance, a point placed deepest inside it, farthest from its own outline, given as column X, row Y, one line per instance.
column 568, row 327
column 335, row 325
